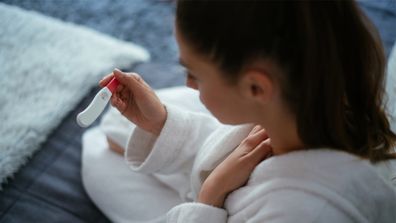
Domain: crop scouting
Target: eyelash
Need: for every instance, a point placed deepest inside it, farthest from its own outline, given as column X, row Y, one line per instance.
column 190, row 76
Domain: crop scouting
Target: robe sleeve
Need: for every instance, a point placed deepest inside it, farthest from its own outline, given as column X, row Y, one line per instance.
column 174, row 150
column 196, row 213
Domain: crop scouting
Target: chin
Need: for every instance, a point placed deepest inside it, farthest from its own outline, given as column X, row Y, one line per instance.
column 226, row 120
column 229, row 121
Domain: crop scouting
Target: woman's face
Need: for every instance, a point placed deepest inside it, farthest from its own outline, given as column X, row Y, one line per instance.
column 221, row 98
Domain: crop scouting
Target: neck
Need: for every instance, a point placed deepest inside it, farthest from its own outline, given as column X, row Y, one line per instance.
column 282, row 130
column 284, row 141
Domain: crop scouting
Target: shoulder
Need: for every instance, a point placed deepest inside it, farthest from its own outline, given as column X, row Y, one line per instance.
column 323, row 166
column 288, row 205
column 342, row 183
column 284, row 205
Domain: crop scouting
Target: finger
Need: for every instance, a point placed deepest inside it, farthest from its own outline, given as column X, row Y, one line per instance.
column 260, row 134
column 261, row 151
column 253, row 140
column 255, row 129
column 131, row 80
column 105, row 80
column 125, row 95
column 124, row 90
column 119, row 88
column 138, row 78
column 118, row 103
column 113, row 100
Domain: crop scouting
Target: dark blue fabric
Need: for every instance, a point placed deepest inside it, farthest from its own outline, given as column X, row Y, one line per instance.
column 49, row 187
column 383, row 15
column 146, row 22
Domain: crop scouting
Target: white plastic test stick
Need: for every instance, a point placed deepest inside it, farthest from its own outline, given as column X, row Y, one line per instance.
column 97, row 105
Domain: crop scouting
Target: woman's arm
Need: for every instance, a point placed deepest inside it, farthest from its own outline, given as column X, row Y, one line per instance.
column 166, row 137
column 174, row 150
column 115, row 147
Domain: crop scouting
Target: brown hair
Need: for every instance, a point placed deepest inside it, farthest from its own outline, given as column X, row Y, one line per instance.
column 332, row 57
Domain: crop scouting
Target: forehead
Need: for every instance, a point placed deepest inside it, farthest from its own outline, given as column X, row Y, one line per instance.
column 197, row 63
column 186, row 54
column 189, row 58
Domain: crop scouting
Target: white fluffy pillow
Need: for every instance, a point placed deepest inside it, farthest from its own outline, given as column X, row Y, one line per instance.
column 46, row 67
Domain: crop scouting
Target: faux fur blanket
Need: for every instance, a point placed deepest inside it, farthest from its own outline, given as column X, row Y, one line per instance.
column 46, row 67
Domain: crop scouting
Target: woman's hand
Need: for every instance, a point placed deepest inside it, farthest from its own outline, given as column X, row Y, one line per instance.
column 235, row 170
column 137, row 101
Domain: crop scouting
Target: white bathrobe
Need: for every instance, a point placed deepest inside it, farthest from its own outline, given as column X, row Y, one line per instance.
column 319, row 185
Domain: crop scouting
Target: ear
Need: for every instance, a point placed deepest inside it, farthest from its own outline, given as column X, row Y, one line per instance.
column 257, row 86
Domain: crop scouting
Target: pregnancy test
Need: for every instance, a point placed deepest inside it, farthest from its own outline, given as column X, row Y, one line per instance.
column 97, row 105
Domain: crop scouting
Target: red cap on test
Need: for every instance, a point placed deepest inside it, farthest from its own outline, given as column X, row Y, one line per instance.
column 112, row 85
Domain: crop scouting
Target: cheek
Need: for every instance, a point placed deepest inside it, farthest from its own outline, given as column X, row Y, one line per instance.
column 210, row 101
column 226, row 109
column 202, row 98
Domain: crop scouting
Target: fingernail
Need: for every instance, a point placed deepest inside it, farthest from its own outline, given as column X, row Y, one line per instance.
column 118, row 73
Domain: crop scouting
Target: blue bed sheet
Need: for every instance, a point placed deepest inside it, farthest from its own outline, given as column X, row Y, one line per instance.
column 49, row 187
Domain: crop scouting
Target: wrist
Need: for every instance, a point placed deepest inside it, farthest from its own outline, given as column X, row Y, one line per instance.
column 211, row 197
column 156, row 131
column 212, row 201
